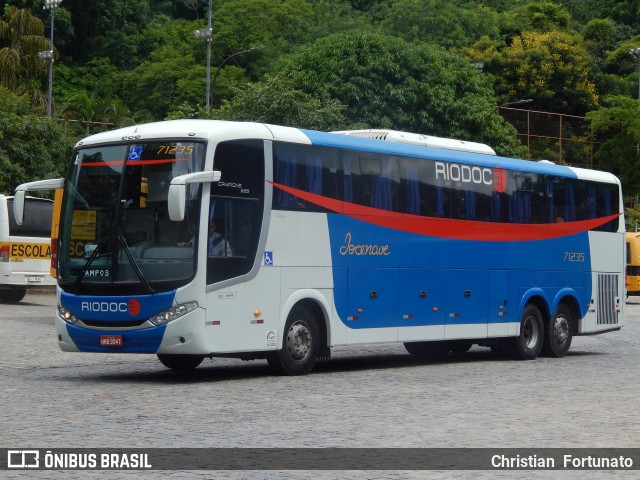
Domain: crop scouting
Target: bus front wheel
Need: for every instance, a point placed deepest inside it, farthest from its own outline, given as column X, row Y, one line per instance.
column 180, row 362
column 300, row 346
column 559, row 333
column 528, row 344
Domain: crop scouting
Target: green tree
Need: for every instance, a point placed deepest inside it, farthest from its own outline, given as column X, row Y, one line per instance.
column 536, row 16
column 276, row 101
column 32, row 146
column 441, row 23
column 107, row 28
column 21, row 38
column 619, row 123
column 552, row 68
column 386, row 82
column 168, row 78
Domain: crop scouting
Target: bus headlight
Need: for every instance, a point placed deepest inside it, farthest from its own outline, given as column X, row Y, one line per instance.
column 66, row 315
column 172, row 313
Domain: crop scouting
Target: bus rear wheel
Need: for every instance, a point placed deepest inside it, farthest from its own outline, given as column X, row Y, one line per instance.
column 300, row 346
column 559, row 333
column 528, row 344
column 180, row 362
column 13, row 294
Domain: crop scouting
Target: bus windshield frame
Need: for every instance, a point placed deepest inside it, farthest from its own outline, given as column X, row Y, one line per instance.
column 114, row 226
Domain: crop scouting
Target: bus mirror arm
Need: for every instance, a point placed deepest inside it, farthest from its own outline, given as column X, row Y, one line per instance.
column 177, row 197
column 22, row 189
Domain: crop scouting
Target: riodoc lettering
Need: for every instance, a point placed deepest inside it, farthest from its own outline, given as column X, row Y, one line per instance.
column 362, row 249
column 132, row 307
column 104, row 307
column 463, row 173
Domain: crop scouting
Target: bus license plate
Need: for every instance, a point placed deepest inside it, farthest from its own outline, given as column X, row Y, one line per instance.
column 34, row 279
column 110, row 340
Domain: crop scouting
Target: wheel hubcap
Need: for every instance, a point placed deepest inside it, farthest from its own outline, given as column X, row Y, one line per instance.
column 530, row 332
column 299, row 341
column 561, row 329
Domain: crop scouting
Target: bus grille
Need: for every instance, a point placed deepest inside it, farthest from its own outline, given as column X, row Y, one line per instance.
column 607, row 299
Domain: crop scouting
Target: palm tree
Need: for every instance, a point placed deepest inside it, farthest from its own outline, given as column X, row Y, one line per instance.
column 21, row 38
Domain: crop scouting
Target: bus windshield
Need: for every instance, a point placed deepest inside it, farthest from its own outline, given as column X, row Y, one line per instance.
column 114, row 225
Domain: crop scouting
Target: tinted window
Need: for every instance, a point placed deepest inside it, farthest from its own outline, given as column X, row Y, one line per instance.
column 36, row 221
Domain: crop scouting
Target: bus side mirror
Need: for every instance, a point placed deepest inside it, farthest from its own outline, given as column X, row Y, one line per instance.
column 18, row 206
column 177, row 197
column 21, row 191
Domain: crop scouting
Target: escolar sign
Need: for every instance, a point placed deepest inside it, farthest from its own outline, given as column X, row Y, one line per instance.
column 28, row 250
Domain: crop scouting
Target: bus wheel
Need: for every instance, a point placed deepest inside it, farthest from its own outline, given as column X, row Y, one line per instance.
column 300, row 346
column 180, row 362
column 432, row 350
column 528, row 344
column 559, row 333
column 13, row 295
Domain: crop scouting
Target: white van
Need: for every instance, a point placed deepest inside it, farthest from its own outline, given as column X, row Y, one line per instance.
column 25, row 250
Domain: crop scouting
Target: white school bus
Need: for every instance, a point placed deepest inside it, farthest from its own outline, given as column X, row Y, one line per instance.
column 25, row 250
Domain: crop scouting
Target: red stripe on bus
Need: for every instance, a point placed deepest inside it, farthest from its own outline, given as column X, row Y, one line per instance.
column 449, row 227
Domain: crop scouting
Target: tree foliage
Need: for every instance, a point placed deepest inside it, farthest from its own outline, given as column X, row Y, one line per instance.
column 386, row 82
column 276, row 101
column 21, row 38
column 552, row 68
column 619, row 123
column 32, row 146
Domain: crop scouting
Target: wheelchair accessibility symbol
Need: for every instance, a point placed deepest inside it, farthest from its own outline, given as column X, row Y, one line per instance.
column 268, row 258
column 135, row 153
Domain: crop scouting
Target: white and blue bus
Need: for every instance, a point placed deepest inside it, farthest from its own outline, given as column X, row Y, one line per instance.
column 191, row 239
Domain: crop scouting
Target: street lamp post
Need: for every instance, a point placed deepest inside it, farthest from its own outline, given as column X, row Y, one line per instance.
column 206, row 34
column 635, row 52
column 47, row 55
column 248, row 50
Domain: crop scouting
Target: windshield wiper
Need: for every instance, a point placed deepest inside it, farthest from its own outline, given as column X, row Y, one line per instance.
column 134, row 264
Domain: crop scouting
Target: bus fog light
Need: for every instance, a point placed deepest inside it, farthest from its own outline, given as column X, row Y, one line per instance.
column 173, row 313
column 67, row 316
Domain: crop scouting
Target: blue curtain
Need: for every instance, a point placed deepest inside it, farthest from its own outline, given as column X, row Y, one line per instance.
column 496, row 208
column 314, row 173
column 551, row 201
column 470, row 199
column 286, row 175
column 569, row 204
column 439, row 199
column 347, row 182
column 381, row 196
column 592, row 211
column 606, row 197
column 520, row 211
column 412, row 188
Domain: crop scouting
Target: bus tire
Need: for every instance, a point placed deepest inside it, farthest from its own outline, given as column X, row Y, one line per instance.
column 300, row 344
column 559, row 333
column 13, row 294
column 433, row 350
column 528, row 344
column 180, row 362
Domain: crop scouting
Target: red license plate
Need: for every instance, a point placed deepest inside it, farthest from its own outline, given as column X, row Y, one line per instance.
column 110, row 340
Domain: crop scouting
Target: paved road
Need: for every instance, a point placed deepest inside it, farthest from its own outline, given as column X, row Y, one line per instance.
column 377, row 396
